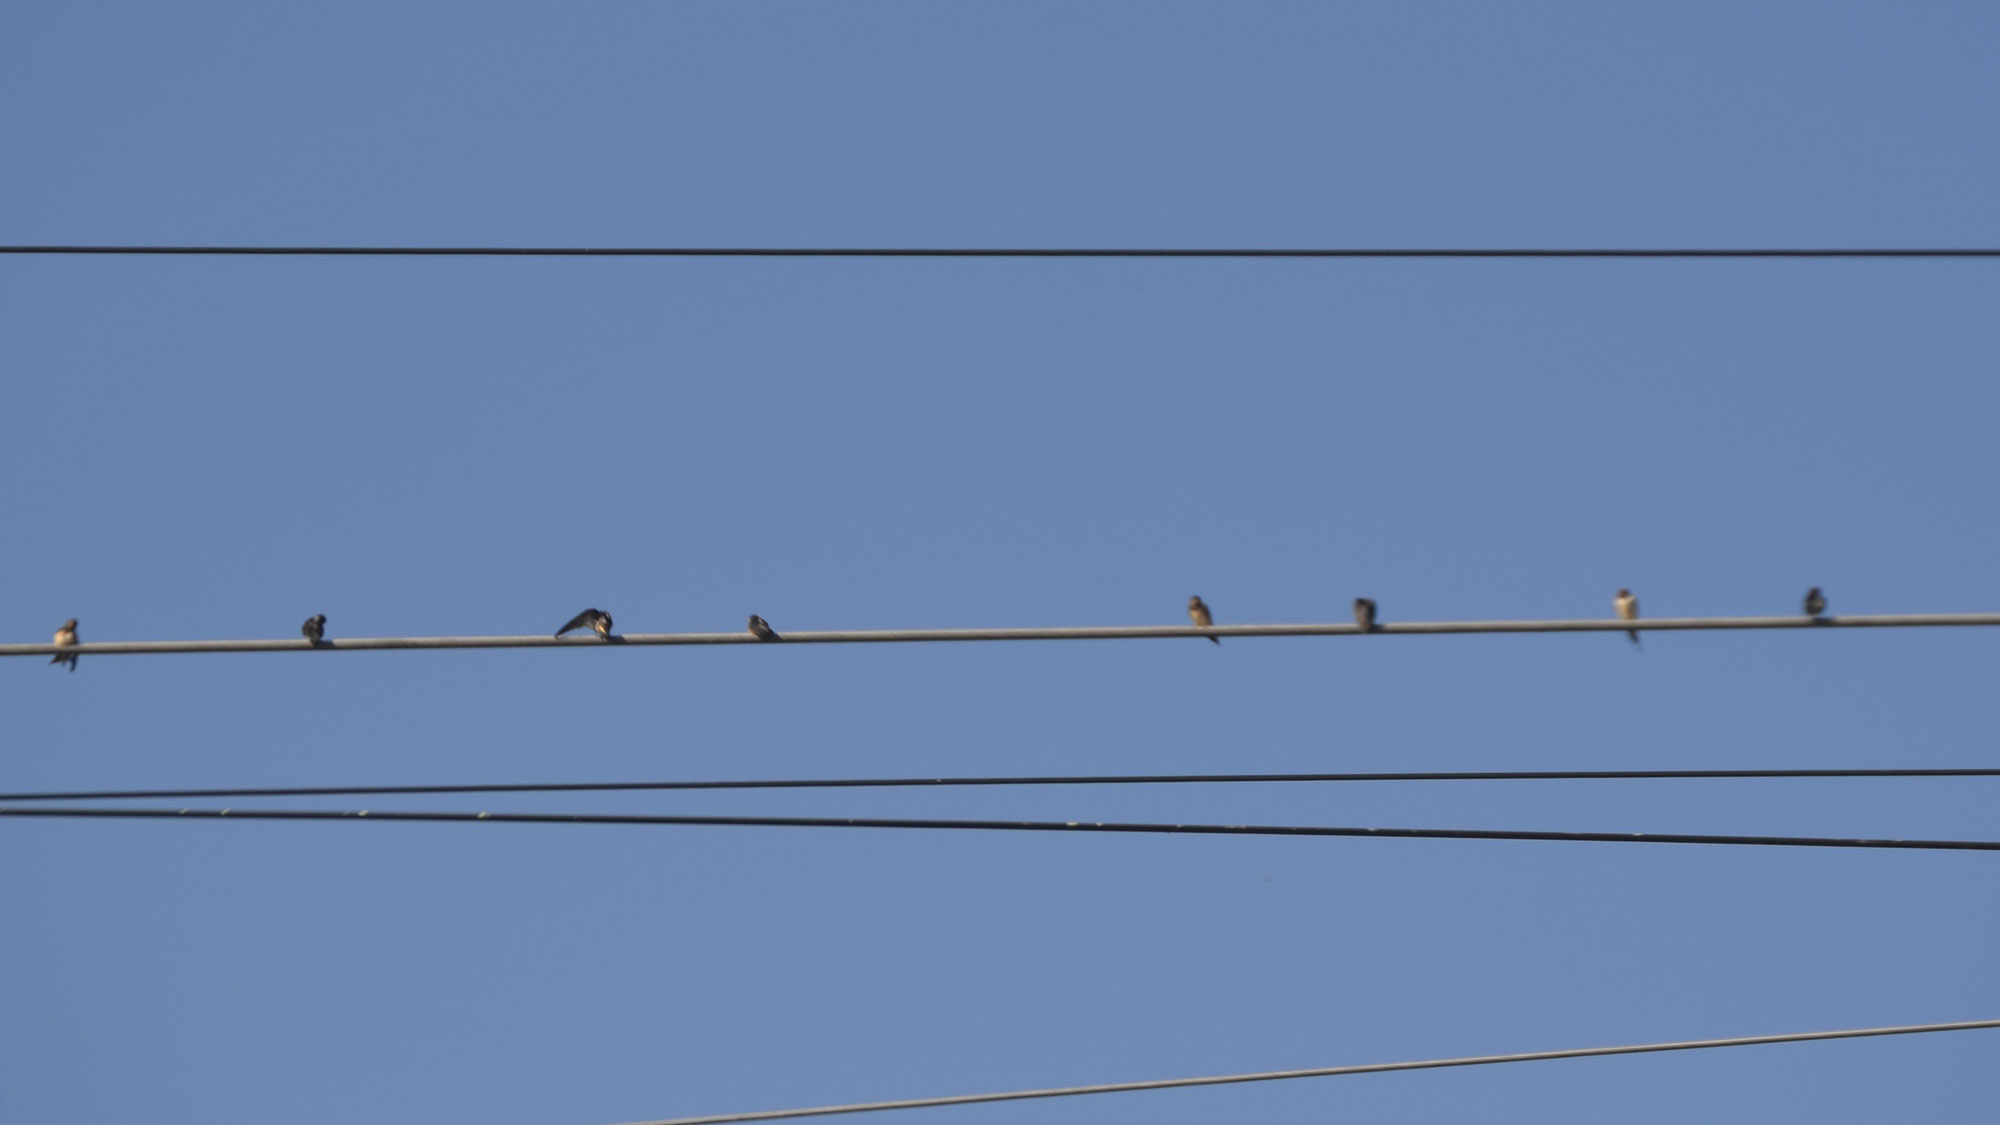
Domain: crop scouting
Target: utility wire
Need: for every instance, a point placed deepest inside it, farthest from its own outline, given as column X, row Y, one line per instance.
column 1322, row 1072
column 944, row 782
column 74, row 812
column 1087, row 633
column 996, row 252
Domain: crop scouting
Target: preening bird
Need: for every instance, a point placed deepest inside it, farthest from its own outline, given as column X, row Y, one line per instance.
column 1628, row 610
column 761, row 629
column 1364, row 614
column 598, row 620
column 314, row 629
column 66, row 636
column 1198, row 613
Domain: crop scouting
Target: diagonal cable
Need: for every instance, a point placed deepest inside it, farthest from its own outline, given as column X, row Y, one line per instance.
column 61, row 812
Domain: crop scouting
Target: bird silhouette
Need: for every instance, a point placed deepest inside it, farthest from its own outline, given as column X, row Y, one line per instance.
column 1364, row 614
column 314, row 629
column 761, row 629
column 1815, row 603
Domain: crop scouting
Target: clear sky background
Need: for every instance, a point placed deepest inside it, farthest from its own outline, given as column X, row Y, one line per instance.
column 217, row 448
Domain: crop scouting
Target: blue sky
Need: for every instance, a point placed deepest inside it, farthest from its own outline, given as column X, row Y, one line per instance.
column 221, row 447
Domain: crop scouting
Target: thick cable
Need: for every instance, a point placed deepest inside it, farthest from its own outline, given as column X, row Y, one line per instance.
column 1084, row 633
column 992, row 252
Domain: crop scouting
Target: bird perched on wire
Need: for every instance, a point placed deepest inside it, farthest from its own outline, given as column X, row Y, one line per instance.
column 1628, row 610
column 314, row 629
column 761, row 629
column 1198, row 613
column 1815, row 604
column 1364, row 614
column 66, row 636
column 598, row 620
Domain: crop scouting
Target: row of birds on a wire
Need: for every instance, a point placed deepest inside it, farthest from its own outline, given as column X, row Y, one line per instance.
column 599, row 622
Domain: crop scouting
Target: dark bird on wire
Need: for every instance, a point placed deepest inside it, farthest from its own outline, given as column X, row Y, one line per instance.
column 1198, row 613
column 598, row 620
column 314, row 629
column 1364, row 614
column 1815, row 604
column 761, row 629
column 1628, row 610
column 66, row 636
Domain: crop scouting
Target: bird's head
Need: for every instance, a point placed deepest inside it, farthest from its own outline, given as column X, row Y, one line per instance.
column 70, row 625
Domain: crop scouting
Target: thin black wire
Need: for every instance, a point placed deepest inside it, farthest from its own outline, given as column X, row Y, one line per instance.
column 69, row 812
column 1314, row 1072
column 939, row 782
column 993, row 252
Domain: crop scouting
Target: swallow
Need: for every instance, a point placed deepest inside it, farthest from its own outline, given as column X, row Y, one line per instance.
column 1815, row 604
column 66, row 636
column 1628, row 610
column 314, row 629
column 1198, row 613
column 598, row 620
column 1364, row 614
column 761, row 629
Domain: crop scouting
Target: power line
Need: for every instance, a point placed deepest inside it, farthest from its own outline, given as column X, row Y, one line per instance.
column 998, row 252
column 1086, row 633
column 73, row 812
column 944, row 782
column 1322, row 1072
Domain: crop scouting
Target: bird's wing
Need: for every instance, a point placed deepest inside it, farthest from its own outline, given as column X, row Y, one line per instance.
column 578, row 622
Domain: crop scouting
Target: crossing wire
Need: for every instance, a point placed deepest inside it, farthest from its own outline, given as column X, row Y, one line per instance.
column 104, row 813
column 945, row 782
column 1322, row 1072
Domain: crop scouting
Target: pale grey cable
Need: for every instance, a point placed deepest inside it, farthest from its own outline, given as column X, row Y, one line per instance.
column 1084, row 633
